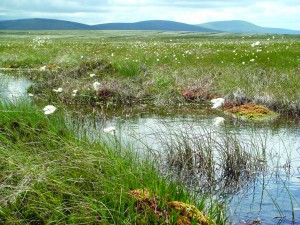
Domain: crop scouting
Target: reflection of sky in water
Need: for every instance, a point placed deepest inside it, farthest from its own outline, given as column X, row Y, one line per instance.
column 13, row 88
column 267, row 198
column 271, row 197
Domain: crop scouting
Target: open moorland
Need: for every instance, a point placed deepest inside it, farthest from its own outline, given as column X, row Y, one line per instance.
column 54, row 172
column 157, row 67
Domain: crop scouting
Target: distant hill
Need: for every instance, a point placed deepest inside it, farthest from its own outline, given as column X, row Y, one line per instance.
column 239, row 26
column 50, row 24
column 153, row 25
column 41, row 24
column 233, row 26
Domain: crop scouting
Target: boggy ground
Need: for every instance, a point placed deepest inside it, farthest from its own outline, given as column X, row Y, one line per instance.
column 157, row 68
column 48, row 175
column 60, row 178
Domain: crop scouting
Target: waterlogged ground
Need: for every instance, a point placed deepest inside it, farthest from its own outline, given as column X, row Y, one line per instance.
column 13, row 88
column 162, row 67
column 253, row 167
column 269, row 196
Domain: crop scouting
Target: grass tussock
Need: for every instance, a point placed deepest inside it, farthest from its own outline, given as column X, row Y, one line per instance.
column 210, row 160
column 49, row 175
column 163, row 68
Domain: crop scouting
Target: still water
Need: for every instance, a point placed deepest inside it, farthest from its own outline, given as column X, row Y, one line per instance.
column 13, row 88
column 269, row 196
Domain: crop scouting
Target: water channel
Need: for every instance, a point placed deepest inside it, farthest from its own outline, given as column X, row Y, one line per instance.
column 268, row 195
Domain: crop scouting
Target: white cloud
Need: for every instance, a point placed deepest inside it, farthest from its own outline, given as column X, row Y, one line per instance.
column 271, row 13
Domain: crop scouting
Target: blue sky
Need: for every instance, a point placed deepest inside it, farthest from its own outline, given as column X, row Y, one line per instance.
column 269, row 13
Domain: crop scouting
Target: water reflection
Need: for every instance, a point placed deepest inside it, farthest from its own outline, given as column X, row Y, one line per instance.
column 271, row 196
column 13, row 88
column 271, row 193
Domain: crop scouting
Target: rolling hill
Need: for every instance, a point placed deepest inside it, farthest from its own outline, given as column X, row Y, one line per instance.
column 41, row 24
column 240, row 26
column 233, row 26
column 50, row 24
column 153, row 25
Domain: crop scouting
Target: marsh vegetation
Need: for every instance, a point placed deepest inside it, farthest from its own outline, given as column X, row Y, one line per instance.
column 64, row 168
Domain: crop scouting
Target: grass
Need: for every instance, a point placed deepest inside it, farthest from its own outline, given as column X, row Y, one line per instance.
column 210, row 160
column 157, row 67
column 50, row 176
column 226, row 161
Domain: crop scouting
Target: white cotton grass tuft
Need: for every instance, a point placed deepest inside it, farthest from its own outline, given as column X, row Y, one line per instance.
column 74, row 93
column 49, row 109
column 110, row 130
column 43, row 68
column 218, row 121
column 255, row 44
column 96, row 86
column 217, row 102
column 58, row 90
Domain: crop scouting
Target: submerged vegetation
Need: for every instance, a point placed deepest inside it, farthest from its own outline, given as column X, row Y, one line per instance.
column 211, row 160
column 54, row 172
column 48, row 175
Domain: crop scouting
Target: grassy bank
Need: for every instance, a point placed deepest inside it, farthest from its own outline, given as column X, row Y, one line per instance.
column 155, row 67
column 49, row 176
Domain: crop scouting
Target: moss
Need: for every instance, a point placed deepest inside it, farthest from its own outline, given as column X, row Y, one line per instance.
column 189, row 214
column 251, row 111
column 164, row 212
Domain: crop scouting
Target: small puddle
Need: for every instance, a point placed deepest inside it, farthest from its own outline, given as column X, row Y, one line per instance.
column 12, row 88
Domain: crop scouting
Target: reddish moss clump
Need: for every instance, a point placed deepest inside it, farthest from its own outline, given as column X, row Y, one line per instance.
column 252, row 111
column 228, row 105
column 200, row 91
column 188, row 94
column 186, row 214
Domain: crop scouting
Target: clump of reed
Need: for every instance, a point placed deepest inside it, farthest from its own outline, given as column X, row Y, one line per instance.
column 210, row 160
column 50, row 173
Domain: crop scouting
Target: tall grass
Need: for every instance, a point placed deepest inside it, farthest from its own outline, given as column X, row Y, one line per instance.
column 211, row 160
column 49, row 175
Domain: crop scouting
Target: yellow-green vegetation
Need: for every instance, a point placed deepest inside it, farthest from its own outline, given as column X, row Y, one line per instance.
column 51, row 173
column 156, row 67
column 251, row 111
column 48, row 175
column 189, row 214
column 174, row 212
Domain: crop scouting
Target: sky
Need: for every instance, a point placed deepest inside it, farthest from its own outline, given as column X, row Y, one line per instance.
column 267, row 13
